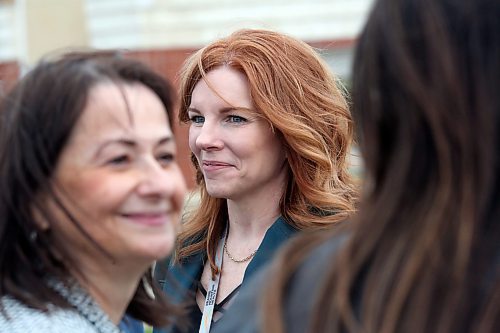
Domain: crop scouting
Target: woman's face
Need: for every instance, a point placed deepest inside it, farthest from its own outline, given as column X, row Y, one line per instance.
column 119, row 178
column 238, row 153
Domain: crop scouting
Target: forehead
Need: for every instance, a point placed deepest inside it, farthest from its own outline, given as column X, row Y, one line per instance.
column 121, row 108
column 121, row 105
column 223, row 85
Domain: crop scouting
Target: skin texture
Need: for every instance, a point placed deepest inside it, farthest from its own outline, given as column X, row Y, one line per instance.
column 119, row 178
column 239, row 154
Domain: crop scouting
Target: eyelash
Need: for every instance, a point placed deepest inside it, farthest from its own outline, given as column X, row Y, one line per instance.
column 233, row 117
column 119, row 160
column 166, row 158
column 194, row 119
column 230, row 119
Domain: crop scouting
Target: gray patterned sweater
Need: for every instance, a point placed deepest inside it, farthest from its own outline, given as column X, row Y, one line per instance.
column 23, row 319
column 85, row 316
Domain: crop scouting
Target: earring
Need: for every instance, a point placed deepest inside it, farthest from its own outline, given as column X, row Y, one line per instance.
column 33, row 236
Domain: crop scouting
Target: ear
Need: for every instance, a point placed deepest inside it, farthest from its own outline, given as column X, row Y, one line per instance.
column 40, row 217
column 40, row 220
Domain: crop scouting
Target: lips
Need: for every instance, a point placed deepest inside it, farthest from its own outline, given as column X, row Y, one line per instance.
column 215, row 163
column 147, row 218
column 209, row 165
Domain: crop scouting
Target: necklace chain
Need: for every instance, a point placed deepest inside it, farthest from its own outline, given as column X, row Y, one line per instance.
column 238, row 260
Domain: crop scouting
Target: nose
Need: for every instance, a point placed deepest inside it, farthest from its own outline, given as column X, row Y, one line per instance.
column 160, row 182
column 207, row 137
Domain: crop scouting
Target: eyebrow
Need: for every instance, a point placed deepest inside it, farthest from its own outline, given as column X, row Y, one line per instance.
column 223, row 110
column 130, row 143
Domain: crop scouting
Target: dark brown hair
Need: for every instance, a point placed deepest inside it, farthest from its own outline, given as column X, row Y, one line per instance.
column 36, row 120
column 423, row 251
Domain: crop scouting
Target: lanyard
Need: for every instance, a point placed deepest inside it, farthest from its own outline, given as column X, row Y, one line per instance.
column 213, row 286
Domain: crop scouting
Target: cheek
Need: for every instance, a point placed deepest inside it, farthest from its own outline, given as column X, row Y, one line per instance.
column 270, row 148
column 180, row 192
column 89, row 201
column 95, row 192
column 277, row 149
column 193, row 135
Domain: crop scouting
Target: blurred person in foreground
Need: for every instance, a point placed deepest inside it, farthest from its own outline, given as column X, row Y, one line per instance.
column 423, row 252
column 270, row 133
column 90, row 195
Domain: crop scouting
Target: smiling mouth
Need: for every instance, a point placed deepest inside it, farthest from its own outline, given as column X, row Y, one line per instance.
column 148, row 219
column 214, row 166
column 214, row 163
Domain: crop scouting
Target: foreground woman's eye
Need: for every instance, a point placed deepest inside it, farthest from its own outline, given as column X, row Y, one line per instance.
column 165, row 159
column 119, row 160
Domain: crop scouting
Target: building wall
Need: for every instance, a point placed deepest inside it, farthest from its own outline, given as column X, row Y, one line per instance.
column 164, row 32
column 53, row 25
column 31, row 28
column 7, row 31
column 9, row 72
column 178, row 23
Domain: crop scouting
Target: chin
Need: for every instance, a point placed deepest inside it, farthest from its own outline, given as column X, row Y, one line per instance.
column 217, row 192
column 155, row 250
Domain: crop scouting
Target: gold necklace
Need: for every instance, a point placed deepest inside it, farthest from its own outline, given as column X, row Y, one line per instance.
column 239, row 260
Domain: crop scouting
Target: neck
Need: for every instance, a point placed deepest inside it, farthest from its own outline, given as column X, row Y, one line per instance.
column 250, row 222
column 111, row 285
column 251, row 216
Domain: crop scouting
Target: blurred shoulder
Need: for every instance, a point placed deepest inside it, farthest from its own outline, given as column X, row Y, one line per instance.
column 304, row 284
column 322, row 254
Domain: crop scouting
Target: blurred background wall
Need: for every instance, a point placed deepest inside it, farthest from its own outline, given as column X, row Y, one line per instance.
column 163, row 33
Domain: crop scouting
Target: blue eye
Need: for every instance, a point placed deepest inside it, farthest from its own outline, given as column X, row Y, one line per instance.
column 236, row 119
column 197, row 119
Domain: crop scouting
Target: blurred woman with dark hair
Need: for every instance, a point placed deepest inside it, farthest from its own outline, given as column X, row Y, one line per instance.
column 423, row 252
column 90, row 195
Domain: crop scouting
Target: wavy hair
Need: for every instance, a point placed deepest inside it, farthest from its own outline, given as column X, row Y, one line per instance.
column 293, row 89
column 423, row 252
column 36, row 120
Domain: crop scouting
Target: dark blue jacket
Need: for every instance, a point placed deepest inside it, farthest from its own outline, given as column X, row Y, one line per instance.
column 131, row 325
column 245, row 315
column 182, row 278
